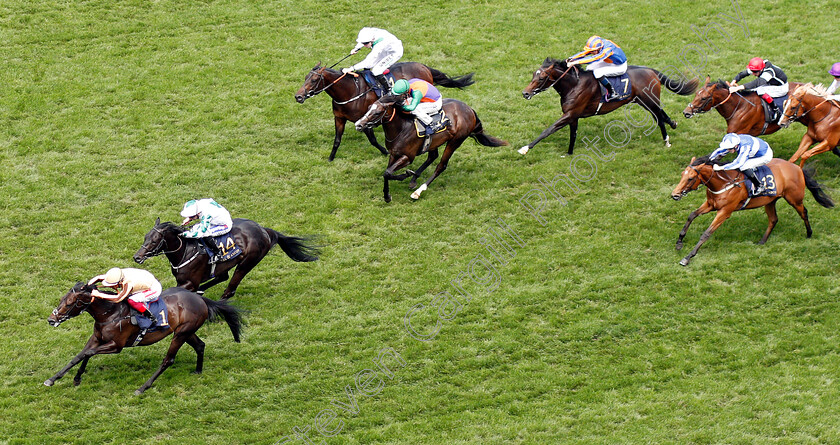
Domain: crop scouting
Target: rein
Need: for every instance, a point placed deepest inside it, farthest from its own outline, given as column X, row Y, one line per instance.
column 156, row 252
column 728, row 187
column 794, row 117
column 548, row 79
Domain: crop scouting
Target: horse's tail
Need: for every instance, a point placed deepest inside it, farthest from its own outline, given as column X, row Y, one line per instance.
column 483, row 138
column 440, row 78
column 297, row 248
column 679, row 87
column 230, row 314
column 816, row 189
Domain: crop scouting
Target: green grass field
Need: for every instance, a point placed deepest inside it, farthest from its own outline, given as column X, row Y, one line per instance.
column 115, row 113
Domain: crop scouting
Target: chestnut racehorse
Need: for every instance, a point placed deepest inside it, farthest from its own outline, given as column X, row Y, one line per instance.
column 351, row 96
column 743, row 112
column 112, row 330
column 404, row 144
column 580, row 96
column 811, row 106
column 726, row 192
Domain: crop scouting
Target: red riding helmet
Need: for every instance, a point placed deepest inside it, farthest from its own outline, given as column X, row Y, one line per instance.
column 756, row 64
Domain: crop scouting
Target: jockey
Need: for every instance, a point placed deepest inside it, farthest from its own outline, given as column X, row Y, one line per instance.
column 772, row 81
column 385, row 50
column 422, row 100
column 213, row 220
column 139, row 285
column 605, row 59
column 834, row 71
column 752, row 152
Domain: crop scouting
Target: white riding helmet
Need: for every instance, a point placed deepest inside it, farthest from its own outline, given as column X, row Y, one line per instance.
column 366, row 35
column 731, row 140
column 190, row 209
column 113, row 277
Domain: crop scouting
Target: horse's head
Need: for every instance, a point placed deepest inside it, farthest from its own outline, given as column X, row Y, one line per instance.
column 72, row 304
column 793, row 105
column 155, row 241
column 313, row 84
column 551, row 71
column 377, row 111
column 704, row 100
column 692, row 177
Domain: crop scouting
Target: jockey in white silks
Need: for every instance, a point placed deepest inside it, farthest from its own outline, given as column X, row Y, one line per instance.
column 385, row 50
column 213, row 220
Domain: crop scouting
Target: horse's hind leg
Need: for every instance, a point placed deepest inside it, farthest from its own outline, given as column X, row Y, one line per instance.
column 198, row 345
column 803, row 213
column 433, row 154
column 78, row 378
column 772, row 219
column 177, row 340
column 451, row 146
column 241, row 270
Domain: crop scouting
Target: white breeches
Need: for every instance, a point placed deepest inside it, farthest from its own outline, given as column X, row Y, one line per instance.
column 773, row 90
column 601, row 69
column 425, row 110
column 757, row 162
column 386, row 58
column 146, row 295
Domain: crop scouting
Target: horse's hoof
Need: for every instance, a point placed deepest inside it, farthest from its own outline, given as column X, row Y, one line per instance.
column 138, row 392
column 388, row 198
column 523, row 150
column 416, row 194
column 77, row 382
column 679, row 245
column 684, row 262
column 673, row 125
column 48, row 382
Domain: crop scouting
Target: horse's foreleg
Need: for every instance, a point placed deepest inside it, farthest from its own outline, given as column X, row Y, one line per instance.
column 573, row 124
column 372, row 139
column 221, row 277
column 702, row 210
column 340, row 122
column 78, row 378
column 177, row 341
column 721, row 216
column 564, row 120
column 198, row 345
column 433, row 154
column 395, row 165
column 822, row 147
column 772, row 219
column 803, row 145
column 92, row 347
column 451, row 146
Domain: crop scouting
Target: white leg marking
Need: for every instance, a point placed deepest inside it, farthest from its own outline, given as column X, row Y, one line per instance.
column 523, row 150
column 421, row 189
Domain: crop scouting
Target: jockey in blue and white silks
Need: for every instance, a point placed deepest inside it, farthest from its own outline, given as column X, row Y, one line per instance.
column 752, row 152
column 604, row 59
column 213, row 220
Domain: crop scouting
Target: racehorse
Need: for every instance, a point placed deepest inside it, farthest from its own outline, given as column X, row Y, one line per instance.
column 351, row 96
column 112, row 331
column 744, row 113
column 812, row 106
column 580, row 96
column 726, row 192
column 189, row 259
column 404, row 144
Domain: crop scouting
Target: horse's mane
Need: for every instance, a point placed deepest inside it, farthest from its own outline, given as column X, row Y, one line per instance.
column 721, row 84
column 549, row 61
column 816, row 90
column 702, row 160
column 169, row 225
column 389, row 99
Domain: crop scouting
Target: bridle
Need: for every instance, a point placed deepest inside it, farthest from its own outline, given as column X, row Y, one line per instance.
column 322, row 81
column 690, row 187
column 547, row 79
column 793, row 117
column 158, row 250
column 699, row 108
column 61, row 318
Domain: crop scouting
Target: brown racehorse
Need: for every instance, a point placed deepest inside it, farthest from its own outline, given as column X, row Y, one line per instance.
column 580, row 96
column 112, row 330
column 744, row 113
column 811, row 106
column 404, row 144
column 189, row 260
column 351, row 96
column 726, row 194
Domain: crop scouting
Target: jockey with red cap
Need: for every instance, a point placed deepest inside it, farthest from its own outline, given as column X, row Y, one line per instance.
column 604, row 59
column 771, row 83
column 834, row 71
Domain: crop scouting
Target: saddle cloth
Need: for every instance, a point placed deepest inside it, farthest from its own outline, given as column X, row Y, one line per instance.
column 423, row 130
column 771, row 115
column 228, row 249
column 766, row 178
column 158, row 309
column 621, row 85
column 374, row 85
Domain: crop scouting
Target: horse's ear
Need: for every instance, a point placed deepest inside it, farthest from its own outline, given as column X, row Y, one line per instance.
column 708, row 79
column 157, row 221
column 547, row 61
column 693, row 158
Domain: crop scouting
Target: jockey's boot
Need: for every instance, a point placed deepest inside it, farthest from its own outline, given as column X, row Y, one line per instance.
column 750, row 174
column 211, row 244
column 611, row 94
column 383, row 82
column 151, row 317
column 434, row 127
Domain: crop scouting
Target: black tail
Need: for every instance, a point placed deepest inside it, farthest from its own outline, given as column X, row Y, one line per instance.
column 819, row 194
column 440, row 78
column 297, row 248
column 230, row 314
column 483, row 138
column 679, row 87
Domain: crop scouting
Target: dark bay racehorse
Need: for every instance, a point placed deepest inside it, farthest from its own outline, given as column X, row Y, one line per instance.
column 404, row 144
column 351, row 96
column 726, row 192
column 811, row 105
column 743, row 112
column 189, row 260
column 580, row 96
column 112, row 330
